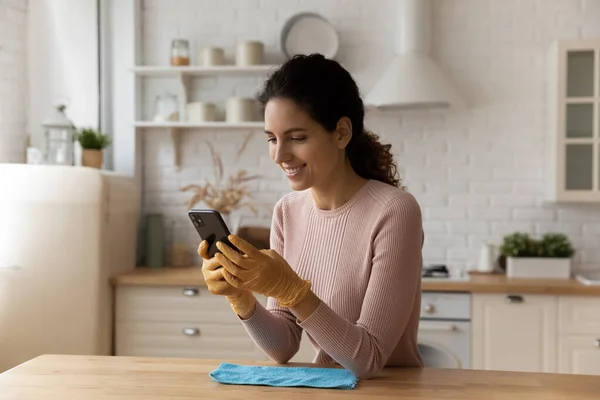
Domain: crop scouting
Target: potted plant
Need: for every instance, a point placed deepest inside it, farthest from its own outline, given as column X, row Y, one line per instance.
column 548, row 257
column 92, row 143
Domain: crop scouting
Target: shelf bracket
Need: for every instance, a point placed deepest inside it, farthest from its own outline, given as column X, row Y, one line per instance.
column 176, row 140
column 185, row 82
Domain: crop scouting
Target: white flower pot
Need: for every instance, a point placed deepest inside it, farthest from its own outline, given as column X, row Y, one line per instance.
column 538, row 267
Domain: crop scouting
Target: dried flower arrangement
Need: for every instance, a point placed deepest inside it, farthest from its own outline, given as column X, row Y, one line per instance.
column 221, row 196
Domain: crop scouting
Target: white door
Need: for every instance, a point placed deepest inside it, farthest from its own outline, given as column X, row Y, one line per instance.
column 514, row 332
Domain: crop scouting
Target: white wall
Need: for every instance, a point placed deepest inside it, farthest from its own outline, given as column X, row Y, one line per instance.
column 477, row 174
column 13, row 56
column 63, row 62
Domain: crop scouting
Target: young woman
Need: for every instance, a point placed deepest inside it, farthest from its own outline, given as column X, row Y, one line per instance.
column 344, row 262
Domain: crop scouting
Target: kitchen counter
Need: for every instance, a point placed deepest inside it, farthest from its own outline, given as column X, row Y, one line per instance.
column 67, row 377
column 494, row 283
column 168, row 276
column 499, row 283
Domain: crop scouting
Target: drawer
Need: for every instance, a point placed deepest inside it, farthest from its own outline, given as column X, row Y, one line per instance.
column 171, row 304
column 201, row 340
column 578, row 314
column 440, row 305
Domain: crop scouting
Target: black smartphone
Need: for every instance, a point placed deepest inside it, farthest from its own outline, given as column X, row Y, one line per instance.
column 211, row 227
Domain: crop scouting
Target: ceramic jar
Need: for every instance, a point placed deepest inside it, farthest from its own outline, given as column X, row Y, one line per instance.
column 249, row 53
column 199, row 112
column 239, row 109
column 212, row 56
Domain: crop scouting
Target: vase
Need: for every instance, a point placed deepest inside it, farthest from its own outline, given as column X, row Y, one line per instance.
column 155, row 240
column 91, row 158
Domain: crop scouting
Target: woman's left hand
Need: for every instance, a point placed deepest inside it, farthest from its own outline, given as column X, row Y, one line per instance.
column 261, row 271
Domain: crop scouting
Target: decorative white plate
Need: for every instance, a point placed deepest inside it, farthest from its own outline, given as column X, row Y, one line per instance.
column 307, row 33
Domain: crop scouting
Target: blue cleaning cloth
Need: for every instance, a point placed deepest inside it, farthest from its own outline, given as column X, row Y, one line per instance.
column 325, row 378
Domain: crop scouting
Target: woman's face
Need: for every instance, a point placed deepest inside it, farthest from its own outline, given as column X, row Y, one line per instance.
column 306, row 152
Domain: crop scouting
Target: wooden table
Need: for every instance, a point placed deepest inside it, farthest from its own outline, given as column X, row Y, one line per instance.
column 66, row 377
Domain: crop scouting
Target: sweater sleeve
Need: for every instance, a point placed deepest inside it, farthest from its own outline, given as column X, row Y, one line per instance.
column 394, row 283
column 274, row 328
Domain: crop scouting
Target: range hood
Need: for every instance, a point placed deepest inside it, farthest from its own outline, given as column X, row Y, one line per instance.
column 413, row 80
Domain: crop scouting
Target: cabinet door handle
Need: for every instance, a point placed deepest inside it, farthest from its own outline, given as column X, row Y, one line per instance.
column 191, row 331
column 429, row 308
column 190, row 292
column 597, row 343
column 513, row 299
column 432, row 327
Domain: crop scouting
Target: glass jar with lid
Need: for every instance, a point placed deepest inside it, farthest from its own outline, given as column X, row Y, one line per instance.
column 180, row 52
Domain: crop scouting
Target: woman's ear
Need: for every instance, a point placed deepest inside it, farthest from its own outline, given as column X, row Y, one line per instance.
column 343, row 132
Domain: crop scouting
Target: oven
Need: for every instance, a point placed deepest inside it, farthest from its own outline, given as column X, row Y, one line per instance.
column 445, row 330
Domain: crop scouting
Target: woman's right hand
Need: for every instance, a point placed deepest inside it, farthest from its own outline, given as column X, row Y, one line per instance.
column 242, row 301
column 213, row 274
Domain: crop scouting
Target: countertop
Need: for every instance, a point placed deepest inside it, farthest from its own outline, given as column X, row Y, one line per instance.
column 69, row 377
column 167, row 276
column 493, row 283
column 499, row 283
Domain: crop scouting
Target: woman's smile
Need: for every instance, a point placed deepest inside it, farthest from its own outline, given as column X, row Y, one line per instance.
column 293, row 172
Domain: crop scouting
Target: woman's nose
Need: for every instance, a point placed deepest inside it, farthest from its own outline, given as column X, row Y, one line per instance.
column 281, row 154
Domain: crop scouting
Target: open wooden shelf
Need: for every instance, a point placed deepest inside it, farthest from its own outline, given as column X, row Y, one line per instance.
column 212, row 125
column 184, row 76
column 175, row 128
column 196, row 70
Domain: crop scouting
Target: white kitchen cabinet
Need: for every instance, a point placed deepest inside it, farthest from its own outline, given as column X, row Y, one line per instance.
column 579, row 335
column 171, row 321
column 573, row 141
column 579, row 314
column 579, row 354
column 513, row 332
column 188, row 322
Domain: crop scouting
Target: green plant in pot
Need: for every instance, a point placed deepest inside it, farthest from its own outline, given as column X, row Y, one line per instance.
column 556, row 245
column 527, row 257
column 92, row 142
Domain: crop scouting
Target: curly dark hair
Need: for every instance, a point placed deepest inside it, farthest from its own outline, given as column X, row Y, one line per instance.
column 327, row 92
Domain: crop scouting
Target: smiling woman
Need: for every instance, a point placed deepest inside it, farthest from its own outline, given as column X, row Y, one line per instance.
column 345, row 249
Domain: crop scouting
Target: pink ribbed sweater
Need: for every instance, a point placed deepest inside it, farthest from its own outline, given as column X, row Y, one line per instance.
column 364, row 262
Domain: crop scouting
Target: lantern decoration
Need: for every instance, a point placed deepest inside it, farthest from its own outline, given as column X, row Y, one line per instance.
column 59, row 134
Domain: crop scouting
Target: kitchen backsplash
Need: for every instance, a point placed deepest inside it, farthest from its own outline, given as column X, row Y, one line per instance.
column 477, row 173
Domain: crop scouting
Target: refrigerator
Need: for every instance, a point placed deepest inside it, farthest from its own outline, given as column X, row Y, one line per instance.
column 64, row 232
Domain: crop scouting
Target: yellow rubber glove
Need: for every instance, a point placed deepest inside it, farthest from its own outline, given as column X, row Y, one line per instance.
column 261, row 271
column 242, row 301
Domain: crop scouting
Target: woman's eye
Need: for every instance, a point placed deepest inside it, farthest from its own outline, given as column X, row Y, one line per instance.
column 272, row 140
column 299, row 139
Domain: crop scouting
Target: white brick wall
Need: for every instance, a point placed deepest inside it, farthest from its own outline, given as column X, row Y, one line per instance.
column 13, row 118
column 478, row 174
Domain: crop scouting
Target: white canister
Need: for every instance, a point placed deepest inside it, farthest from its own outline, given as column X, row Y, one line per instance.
column 250, row 53
column 240, row 109
column 487, row 258
column 212, row 56
column 199, row 112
